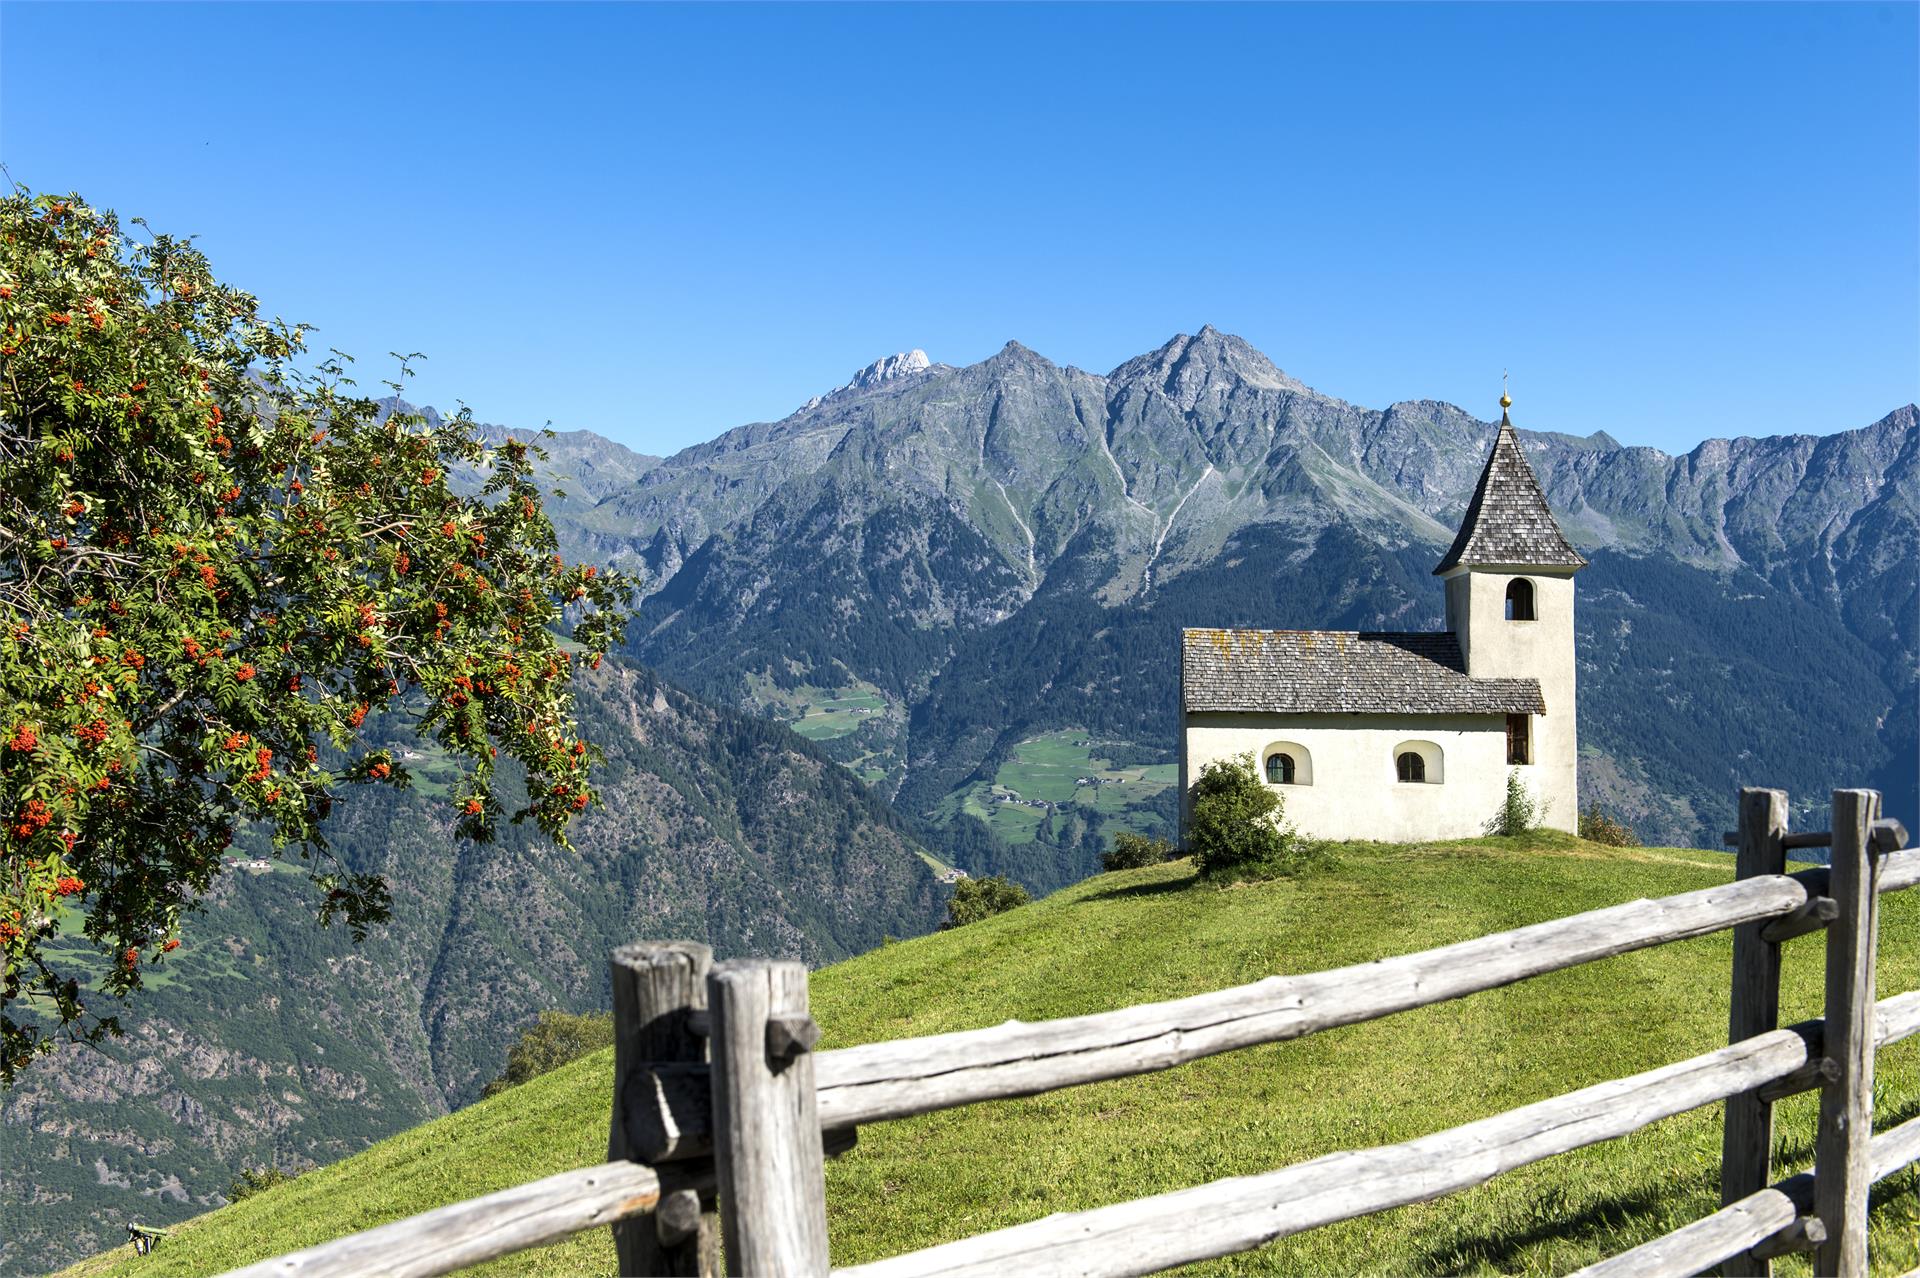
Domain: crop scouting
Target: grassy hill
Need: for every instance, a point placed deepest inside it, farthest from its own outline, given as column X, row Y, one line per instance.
column 1154, row 934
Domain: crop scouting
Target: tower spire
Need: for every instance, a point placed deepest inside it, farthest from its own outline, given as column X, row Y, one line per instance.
column 1508, row 523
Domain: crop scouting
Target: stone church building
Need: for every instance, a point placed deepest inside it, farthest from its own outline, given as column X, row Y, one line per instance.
column 1381, row 735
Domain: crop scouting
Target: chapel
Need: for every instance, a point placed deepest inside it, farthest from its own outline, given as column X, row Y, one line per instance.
column 1406, row 736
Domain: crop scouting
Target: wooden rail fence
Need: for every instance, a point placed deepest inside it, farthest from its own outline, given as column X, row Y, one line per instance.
column 723, row 1113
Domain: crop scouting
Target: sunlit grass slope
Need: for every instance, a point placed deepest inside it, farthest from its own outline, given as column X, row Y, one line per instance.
column 1153, row 934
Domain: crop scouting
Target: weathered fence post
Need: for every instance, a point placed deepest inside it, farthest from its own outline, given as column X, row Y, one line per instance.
column 1842, row 1167
column 766, row 1128
column 658, row 986
column 1747, row 1137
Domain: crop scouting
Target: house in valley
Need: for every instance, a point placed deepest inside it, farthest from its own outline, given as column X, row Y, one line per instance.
column 1404, row 736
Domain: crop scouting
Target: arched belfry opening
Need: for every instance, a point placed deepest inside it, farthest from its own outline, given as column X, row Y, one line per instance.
column 1519, row 600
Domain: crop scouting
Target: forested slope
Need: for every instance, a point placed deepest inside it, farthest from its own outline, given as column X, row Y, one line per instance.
column 267, row 1041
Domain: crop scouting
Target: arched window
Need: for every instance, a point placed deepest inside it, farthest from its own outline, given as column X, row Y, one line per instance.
column 1519, row 600
column 1287, row 763
column 1419, row 763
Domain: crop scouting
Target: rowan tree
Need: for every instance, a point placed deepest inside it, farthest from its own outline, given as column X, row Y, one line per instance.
column 217, row 561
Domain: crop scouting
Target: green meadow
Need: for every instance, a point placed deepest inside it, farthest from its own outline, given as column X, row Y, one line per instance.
column 1154, row 934
column 1064, row 769
column 819, row 714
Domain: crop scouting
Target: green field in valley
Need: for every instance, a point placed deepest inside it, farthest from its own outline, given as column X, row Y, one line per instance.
column 1060, row 771
column 827, row 715
column 835, row 718
column 195, row 967
column 818, row 714
column 1156, row 933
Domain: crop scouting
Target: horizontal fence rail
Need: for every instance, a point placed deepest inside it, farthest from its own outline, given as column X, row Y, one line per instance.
column 481, row 1229
column 1749, row 1223
column 1899, row 870
column 897, row 1079
column 1238, row 1214
column 526, row 1217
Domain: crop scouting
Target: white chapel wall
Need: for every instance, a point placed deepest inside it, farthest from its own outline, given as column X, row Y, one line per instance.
column 1356, row 793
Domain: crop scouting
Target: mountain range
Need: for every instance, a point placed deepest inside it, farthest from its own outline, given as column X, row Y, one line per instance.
column 1007, row 549
column 931, row 617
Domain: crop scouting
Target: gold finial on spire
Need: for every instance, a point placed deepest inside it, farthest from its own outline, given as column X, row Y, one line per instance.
column 1506, row 400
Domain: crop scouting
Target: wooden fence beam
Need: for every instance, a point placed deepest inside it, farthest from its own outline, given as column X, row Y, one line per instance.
column 1894, row 1019
column 1895, row 1149
column 773, row 1187
column 1746, row 1149
column 1241, row 1213
column 1752, row 1221
column 657, row 988
column 481, row 1229
column 1727, row 1235
column 1842, row 1168
column 879, row 1081
column 1900, row 870
column 1803, row 1233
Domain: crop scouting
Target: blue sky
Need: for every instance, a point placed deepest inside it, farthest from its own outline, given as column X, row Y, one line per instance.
column 658, row 222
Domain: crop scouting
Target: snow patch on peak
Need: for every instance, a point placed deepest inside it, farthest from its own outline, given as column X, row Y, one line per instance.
column 892, row 368
column 885, row 370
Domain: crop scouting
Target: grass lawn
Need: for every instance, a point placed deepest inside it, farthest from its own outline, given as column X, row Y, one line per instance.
column 1154, row 934
column 836, row 716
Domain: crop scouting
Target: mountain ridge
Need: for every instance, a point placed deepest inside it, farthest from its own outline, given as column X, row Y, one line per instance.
column 875, row 538
column 1396, row 446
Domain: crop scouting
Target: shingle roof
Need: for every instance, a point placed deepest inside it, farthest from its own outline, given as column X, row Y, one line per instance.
column 1341, row 672
column 1508, row 522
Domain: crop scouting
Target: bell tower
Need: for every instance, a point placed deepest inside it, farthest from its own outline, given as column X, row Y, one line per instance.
column 1509, row 583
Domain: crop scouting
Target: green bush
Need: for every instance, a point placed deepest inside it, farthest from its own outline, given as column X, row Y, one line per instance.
column 1235, row 828
column 976, row 899
column 553, row 1039
column 1131, row 851
column 1597, row 827
column 252, row 1180
column 1520, row 812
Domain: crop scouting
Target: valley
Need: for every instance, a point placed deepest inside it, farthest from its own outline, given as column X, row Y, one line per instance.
column 715, row 825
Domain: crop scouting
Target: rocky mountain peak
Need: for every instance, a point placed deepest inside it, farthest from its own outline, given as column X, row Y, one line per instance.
column 1189, row 365
column 905, row 364
column 1015, row 353
column 892, row 368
